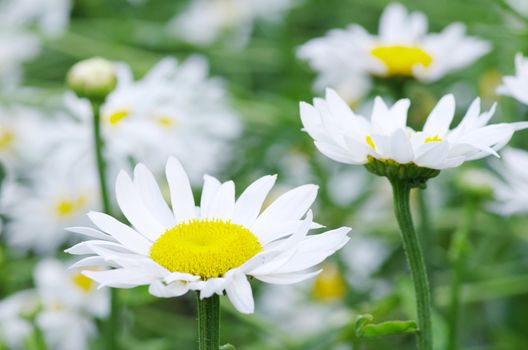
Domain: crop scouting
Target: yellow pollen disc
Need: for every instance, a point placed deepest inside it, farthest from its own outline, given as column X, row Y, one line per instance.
column 6, row 139
column 83, row 282
column 370, row 142
column 400, row 60
column 67, row 207
column 116, row 117
column 329, row 285
column 206, row 248
column 165, row 122
column 432, row 139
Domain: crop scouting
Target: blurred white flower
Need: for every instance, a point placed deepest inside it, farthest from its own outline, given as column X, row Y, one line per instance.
column 51, row 17
column 204, row 21
column 402, row 48
column 173, row 110
column 70, row 303
column 25, row 137
column 511, row 187
column 516, row 85
column 353, row 139
column 15, row 327
column 212, row 248
column 59, row 196
column 16, row 47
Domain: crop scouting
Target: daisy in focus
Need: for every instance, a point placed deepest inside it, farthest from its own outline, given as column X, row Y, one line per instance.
column 511, row 186
column 211, row 248
column 403, row 48
column 346, row 137
column 205, row 21
column 516, row 85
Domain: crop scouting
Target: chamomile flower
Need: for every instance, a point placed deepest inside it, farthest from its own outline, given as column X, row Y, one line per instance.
column 402, row 48
column 511, row 187
column 57, row 198
column 205, row 21
column 212, row 248
column 15, row 327
column 350, row 138
column 174, row 109
column 517, row 85
column 71, row 301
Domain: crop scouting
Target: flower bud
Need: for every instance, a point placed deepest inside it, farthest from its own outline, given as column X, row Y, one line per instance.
column 93, row 78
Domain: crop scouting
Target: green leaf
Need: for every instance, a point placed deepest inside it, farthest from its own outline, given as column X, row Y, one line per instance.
column 361, row 322
column 2, row 175
column 389, row 327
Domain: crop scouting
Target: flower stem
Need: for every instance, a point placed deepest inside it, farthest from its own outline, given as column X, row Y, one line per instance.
column 458, row 252
column 208, row 322
column 401, row 193
column 113, row 320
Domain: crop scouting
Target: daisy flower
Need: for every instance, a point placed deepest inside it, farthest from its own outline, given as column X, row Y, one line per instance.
column 15, row 327
column 205, row 21
column 511, row 187
column 57, row 198
column 516, row 86
column 69, row 300
column 350, row 138
column 402, row 48
column 211, row 248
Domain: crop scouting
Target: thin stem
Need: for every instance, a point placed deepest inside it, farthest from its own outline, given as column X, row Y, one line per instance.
column 208, row 322
column 411, row 244
column 458, row 252
column 424, row 225
column 113, row 320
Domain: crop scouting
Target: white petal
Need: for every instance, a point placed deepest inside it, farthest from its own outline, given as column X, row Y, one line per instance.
column 239, row 292
column 441, row 117
column 210, row 187
column 161, row 290
column 287, row 278
column 401, row 147
column 90, row 232
column 182, row 199
column 223, row 203
column 249, row 204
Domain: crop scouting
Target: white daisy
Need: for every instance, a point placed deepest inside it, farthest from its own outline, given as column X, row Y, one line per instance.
column 16, row 47
column 353, row 139
column 57, row 199
column 516, row 85
column 69, row 301
column 15, row 327
column 174, row 109
column 211, row 248
column 511, row 187
column 402, row 48
column 204, row 21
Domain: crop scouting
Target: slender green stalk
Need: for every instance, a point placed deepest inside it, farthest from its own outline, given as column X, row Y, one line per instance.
column 113, row 321
column 208, row 322
column 458, row 252
column 401, row 192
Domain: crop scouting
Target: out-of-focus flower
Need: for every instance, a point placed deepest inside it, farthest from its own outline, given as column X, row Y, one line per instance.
column 93, row 78
column 511, row 188
column 51, row 17
column 70, row 303
column 15, row 326
column 402, row 48
column 16, row 47
column 475, row 182
column 210, row 249
column 204, row 21
column 516, row 85
column 353, row 139
column 37, row 214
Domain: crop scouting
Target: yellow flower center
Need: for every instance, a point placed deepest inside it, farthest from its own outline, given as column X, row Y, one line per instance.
column 116, row 117
column 370, row 142
column 400, row 60
column 83, row 282
column 329, row 285
column 205, row 248
column 6, row 139
column 434, row 138
column 67, row 207
column 165, row 122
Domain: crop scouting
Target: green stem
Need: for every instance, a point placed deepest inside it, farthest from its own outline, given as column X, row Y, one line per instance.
column 208, row 322
column 401, row 192
column 458, row 252
column 113, row 320
column 424, row 226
